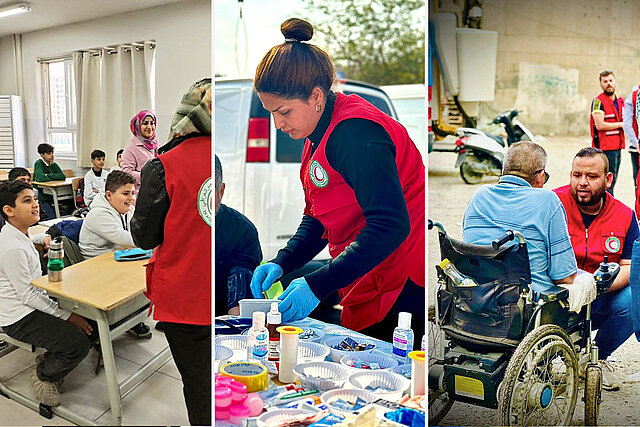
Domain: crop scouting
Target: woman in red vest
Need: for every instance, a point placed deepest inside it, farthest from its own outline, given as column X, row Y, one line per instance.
column 363, row 180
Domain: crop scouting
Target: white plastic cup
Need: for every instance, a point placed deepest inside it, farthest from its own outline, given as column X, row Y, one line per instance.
column 417, row 373
column 288, row 353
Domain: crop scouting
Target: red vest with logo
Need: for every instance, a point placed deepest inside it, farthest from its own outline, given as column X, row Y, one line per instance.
column 608, row 139
column 605, row 235
column 179, row 273
column 331, row 201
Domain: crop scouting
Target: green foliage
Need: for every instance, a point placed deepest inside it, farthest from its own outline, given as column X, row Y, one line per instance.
column 377, row 41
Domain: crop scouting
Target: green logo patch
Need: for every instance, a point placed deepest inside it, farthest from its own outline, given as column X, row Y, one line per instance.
column 318, row 175
column 205, row 201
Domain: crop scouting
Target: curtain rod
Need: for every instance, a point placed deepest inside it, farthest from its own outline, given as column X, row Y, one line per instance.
column 110, row 50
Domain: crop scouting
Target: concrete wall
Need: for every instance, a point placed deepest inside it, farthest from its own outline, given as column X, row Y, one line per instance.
column 551, row 52
column 182, row 32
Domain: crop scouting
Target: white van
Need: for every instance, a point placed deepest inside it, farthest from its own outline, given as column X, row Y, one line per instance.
column 409, row 102
column 261, row 165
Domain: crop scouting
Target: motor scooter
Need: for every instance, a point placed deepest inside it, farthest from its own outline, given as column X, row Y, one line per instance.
column 481, row 153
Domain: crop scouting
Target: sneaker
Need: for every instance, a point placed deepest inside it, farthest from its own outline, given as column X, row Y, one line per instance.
column 609, row 380
column 46, row 392
column 160, row 326
column 39, row 360
column 140, row 331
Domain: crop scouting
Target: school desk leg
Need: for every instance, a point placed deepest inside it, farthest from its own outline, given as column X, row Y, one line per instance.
column 110, row 368
column 56, row 206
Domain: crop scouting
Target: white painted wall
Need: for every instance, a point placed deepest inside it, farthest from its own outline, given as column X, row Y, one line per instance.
column 182, row 32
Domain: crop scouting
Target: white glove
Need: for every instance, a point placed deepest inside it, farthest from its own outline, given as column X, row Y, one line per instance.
column 581, row 292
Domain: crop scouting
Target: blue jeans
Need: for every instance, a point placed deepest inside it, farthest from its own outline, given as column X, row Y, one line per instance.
column 611, row 316
column 48, row 209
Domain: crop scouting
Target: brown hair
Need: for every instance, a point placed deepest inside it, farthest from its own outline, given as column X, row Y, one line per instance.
column 117, row 179
column 292, row 69
column 606, row 73
column 594, row 152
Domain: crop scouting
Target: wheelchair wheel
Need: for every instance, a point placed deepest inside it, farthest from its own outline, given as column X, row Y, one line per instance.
column 592, row 393
column 439, row 402
column 540, row 385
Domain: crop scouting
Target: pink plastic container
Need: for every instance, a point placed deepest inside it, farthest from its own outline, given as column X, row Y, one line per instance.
column 255, row 404
column 222, row 413
column 238, row 391
column 237, row 413
column 222, row 396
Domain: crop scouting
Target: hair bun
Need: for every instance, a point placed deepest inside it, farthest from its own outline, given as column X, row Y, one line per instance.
column 296, row 29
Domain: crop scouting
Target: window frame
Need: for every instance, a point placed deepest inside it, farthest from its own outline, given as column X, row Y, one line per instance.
column 70, row 106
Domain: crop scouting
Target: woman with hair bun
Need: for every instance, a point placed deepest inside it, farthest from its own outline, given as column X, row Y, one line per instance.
column 363, row 180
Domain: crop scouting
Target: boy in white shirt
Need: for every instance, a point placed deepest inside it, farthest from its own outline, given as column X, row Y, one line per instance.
column 27, row 313
column 94, row 179
column 106, row 226
column 118, row 160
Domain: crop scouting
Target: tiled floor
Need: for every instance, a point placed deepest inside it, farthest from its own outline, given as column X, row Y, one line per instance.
column 157, row 401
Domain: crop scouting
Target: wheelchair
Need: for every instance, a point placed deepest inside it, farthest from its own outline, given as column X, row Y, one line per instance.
column 494, row 345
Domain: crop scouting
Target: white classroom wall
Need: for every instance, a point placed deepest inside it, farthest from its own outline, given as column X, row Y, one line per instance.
column 182, row 32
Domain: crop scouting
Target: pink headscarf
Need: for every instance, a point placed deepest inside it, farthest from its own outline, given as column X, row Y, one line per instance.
column 149, row 143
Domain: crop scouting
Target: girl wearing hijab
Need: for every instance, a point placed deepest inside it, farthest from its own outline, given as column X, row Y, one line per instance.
column 142, row 147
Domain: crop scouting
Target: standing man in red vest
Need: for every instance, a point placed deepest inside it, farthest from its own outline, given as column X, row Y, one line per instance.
column 606, row 123
column 601, row 225
column 174, row 213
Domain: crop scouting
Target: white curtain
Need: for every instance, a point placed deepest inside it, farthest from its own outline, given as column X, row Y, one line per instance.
column 112, row 85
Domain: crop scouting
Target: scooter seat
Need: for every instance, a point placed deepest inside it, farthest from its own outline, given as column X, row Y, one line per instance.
column 497, row 138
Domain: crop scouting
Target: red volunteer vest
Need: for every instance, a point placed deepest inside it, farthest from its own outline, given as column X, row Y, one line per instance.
column 179, row 273
column 605, row 235
column 331, row 201
column 608, row 139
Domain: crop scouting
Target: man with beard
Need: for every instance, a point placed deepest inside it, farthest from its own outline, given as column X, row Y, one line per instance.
column 238, row 252
column 600, row 225
column 606, row 123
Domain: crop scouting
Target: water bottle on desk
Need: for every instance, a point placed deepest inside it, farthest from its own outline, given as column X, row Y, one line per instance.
column 56, row 260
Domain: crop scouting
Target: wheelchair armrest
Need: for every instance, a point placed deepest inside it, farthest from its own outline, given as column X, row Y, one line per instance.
column 557, row 293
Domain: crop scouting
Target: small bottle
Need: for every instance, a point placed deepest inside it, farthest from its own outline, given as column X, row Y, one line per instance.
column 458, row 278
column 403, row 338
column 424, row 345
column 258, row 339
column 55, row 264
column 274, row 319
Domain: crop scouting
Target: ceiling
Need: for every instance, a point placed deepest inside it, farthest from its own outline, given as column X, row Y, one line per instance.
column 53, row 13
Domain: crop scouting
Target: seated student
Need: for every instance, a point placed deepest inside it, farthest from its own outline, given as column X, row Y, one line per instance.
column 27, row 313
column 45, row 170
column 106, row 226
column 20, row 174
column 119, row 160
column 95, row 177
column 238, row 252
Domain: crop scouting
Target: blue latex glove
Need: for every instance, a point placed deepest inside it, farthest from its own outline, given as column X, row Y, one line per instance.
column 298, row 301
column 263, row 277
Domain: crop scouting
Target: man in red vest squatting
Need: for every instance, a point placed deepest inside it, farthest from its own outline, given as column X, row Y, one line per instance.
column 606, row 123
column 363, row 181
column 174, row 215
column 601, row 225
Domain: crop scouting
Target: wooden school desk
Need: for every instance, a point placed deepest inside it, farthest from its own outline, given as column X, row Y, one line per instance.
column 113, row 295
column 60, row 190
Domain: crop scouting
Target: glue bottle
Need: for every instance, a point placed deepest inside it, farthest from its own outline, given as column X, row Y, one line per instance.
column 274, row 319
column 403, row 338
column 258, row 339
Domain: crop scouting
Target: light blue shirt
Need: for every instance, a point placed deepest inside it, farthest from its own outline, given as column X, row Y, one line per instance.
column 513, row 204
column 627, row 121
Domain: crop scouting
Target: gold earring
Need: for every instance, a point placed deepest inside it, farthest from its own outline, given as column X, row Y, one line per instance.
column 317, row 108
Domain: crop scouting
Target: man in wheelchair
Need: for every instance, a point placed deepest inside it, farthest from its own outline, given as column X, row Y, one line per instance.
column 509, row 342
column 601, row 225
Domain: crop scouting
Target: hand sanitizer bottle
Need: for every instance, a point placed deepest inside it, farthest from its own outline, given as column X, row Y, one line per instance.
column 258, row 339
column 403, row 338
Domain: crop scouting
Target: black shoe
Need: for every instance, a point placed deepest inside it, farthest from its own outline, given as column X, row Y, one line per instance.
column 140, row 331
column 160, row 326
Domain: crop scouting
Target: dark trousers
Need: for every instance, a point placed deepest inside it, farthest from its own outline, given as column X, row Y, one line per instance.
column 614, row 166
column 412, row 300
column 191, row 349
column 47, row 208
column 635, row 164
column 66, row 345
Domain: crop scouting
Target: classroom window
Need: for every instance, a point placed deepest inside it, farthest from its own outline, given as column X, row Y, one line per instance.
column 60, row 106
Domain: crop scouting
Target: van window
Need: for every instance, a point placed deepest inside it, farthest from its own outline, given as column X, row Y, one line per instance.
column 228, row 105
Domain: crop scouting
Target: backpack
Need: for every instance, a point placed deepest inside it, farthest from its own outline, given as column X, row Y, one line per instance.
column 72, row 254
column 69, row 228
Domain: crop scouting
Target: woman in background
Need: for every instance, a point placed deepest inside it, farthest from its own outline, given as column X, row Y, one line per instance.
column 142, row 147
